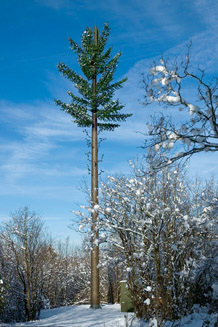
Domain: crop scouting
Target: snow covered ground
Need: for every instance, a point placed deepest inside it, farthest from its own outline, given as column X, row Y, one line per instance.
column 79, row 316
column 109, row 316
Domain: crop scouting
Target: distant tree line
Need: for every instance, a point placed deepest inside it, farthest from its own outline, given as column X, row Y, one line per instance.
column 37, row 273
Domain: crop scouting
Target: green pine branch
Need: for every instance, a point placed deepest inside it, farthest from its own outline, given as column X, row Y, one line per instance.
column 95, row 63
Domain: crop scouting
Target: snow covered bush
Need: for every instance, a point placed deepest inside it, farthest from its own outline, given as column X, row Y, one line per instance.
column 152, row 218
column 206, row 279
column 160, row 231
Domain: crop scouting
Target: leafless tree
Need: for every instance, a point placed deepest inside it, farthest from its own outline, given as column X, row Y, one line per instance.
column 167, row 84
column 23, row 238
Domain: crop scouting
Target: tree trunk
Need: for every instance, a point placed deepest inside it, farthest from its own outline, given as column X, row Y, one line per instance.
column 27, row 266
column 95, row 299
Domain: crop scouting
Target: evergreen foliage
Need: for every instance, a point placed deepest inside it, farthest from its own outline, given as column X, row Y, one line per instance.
column 94, row 63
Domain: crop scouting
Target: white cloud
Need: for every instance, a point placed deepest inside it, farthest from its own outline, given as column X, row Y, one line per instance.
column 37, row 131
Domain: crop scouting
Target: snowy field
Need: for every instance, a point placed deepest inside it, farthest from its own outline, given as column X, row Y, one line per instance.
column 79, row 316
column 109, row 316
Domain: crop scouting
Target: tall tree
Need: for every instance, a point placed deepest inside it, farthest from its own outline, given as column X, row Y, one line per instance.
column 94, row 107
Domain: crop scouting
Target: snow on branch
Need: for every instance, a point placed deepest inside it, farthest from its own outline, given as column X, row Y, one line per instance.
column 168, row 84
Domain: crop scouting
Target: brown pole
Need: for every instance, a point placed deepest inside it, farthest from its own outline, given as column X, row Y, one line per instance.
column 95, row 298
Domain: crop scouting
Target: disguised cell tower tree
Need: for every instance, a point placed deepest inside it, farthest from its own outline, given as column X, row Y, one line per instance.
column 94, row 108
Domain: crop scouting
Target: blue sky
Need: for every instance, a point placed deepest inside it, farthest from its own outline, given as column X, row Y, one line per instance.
column 43, row 162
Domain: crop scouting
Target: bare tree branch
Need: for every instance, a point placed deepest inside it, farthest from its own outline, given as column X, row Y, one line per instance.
column 165, row 85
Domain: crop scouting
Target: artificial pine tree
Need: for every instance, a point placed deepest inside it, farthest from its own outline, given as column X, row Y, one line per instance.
column 94, row 108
